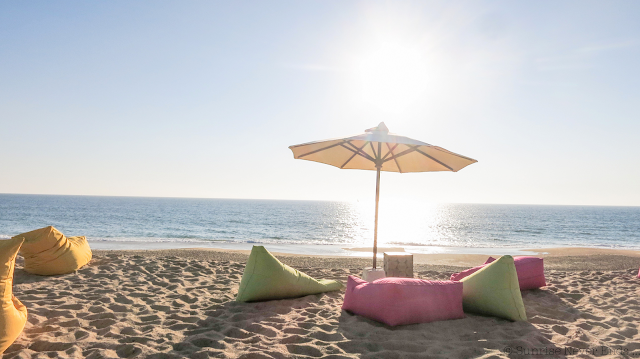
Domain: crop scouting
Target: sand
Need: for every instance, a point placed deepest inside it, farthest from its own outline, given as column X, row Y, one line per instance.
column 180, row 304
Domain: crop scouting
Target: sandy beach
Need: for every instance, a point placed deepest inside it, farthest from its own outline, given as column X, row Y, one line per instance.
column 181, row 304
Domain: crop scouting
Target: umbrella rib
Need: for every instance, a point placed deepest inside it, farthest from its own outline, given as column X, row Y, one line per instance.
column 322, row 149
column 358, row 151
column 354, row 154
column 447, row 151
column 424, row 154
column 395, row 160
column 390, row 150
column 374, row 151
column 411, row 149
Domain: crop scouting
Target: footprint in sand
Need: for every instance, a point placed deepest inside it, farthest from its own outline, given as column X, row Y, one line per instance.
column 128, row 351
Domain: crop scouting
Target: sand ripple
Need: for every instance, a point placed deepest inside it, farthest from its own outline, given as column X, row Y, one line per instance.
column 131, row 306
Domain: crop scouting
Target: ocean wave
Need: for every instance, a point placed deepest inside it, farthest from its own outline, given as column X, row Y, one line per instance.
column 532, row 231
column 452, row 244
column 187, row 221
column 148, row 240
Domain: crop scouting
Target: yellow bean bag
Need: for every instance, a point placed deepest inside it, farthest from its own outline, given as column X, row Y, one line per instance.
column 13, row 315
column 46, row 251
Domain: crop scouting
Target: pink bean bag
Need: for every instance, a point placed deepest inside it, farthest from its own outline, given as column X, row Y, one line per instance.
column 638, row 273
column 530, row 272
column 396, row 301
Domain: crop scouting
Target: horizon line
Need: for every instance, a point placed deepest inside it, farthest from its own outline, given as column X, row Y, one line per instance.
column 307, row 200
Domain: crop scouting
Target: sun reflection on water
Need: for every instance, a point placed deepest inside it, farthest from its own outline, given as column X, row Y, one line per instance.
column 403, row 222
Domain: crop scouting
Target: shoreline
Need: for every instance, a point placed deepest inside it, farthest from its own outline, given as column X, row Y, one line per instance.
column 352, row 250
column 568, row 258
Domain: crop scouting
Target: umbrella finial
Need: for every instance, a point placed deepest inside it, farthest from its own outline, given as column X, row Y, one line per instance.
column 380, row 128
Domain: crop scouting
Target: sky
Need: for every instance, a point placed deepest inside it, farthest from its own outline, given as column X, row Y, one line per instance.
column 203, row 98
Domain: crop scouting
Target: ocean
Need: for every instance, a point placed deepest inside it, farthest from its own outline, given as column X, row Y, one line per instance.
column 318, row 227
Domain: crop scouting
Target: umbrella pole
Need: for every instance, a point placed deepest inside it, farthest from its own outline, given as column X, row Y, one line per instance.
column 375, row 230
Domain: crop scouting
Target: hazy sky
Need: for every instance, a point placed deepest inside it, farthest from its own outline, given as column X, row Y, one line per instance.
column 202, row 98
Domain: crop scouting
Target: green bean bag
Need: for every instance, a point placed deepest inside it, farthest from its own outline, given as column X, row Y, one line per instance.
column 266, row 278
column 494, row 291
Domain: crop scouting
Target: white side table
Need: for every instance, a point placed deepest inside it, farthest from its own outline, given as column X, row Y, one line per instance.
column 369, row 274
column 398, row 264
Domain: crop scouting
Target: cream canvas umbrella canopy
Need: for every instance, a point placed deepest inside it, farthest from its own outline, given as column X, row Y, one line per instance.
column 378, row 150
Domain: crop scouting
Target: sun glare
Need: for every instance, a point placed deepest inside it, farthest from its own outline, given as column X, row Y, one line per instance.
column 394, row 76
column 400, row 220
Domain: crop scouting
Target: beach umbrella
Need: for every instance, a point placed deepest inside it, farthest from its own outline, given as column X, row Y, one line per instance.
column 378, row 150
